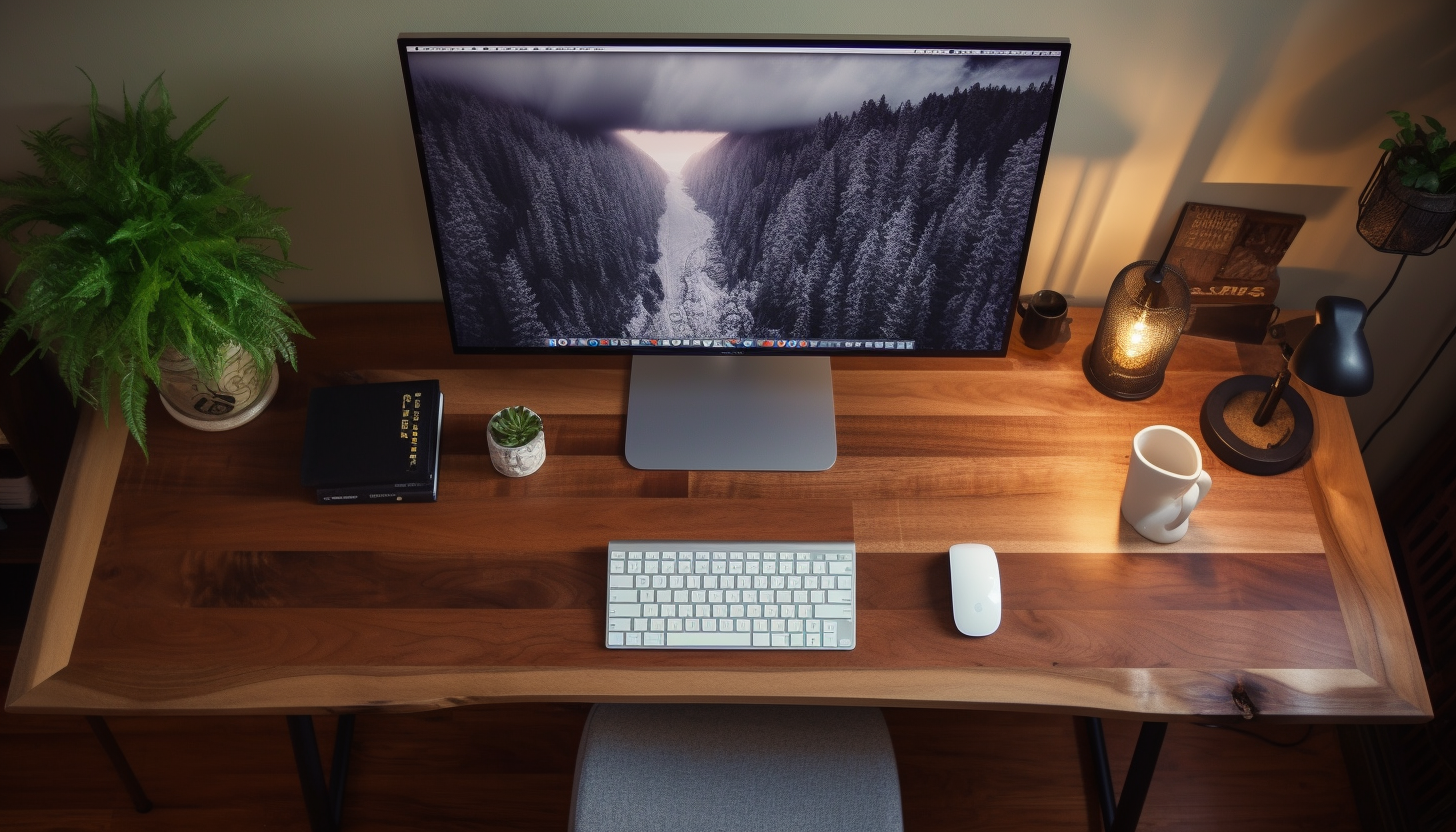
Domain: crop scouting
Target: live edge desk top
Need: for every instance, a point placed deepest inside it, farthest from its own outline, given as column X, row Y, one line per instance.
column 208, row 581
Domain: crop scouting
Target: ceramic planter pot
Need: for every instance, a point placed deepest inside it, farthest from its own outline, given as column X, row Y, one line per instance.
column 517, row 462
column 235, row 398
column 1398, row 219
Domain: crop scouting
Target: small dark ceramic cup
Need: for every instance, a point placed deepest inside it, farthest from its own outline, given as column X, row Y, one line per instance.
column 1043, row 319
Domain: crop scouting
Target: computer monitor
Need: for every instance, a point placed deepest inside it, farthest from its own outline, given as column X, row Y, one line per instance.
column 731, row 212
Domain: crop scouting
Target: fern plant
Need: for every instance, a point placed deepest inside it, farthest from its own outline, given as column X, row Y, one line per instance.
column 155, row 248
column 514, row 427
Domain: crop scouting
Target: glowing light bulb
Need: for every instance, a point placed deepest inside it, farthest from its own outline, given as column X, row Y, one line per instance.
column 1133, row 346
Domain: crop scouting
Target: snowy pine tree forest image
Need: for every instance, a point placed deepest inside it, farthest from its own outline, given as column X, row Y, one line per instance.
column 748, row 196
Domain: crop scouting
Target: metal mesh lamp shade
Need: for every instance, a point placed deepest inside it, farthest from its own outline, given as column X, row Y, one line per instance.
column 1146, row 310
column 1401, row 220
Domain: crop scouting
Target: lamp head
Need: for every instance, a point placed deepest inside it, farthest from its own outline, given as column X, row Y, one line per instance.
column 1334, row 356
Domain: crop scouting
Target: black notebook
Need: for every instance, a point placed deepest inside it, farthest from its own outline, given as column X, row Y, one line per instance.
column 374, row 443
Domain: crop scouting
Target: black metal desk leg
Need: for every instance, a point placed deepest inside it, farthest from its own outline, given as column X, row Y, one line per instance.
column 1121, row 815
column 323, row 798
column 133, row 786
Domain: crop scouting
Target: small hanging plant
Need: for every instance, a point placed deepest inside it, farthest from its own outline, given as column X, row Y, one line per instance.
column 1424, row 158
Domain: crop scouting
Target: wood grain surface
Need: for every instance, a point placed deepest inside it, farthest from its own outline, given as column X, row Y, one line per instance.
column 220, row 586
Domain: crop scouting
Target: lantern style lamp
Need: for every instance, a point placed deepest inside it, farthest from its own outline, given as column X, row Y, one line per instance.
column 1260, row 425
column 1147, row 308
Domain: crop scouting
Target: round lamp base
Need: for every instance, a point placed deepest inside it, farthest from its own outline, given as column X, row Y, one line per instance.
column 1225, row 442
column 1148, row 386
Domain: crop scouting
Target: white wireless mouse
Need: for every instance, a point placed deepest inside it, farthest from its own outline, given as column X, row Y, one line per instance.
column 975, row 588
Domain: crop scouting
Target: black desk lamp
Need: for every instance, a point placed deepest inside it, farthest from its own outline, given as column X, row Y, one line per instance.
column 1265, row 428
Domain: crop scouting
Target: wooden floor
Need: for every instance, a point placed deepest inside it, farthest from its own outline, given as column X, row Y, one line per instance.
column 510, row 768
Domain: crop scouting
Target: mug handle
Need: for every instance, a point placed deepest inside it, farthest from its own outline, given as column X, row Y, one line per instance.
column 1021, row 307
column 1202, row 484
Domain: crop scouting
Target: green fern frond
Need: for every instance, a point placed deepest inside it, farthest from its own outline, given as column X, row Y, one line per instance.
column 156, row 248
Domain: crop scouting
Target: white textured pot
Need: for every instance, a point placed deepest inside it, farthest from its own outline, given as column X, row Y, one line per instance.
column 235, row 398
column 517, row 462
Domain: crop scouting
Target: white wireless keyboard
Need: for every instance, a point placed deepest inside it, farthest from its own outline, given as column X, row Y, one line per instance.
column 733, row 595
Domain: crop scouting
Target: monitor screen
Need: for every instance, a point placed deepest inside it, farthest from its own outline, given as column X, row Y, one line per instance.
column 732, row 197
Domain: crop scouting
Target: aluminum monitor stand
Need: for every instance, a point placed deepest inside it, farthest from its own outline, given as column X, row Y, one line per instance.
column 731, row 413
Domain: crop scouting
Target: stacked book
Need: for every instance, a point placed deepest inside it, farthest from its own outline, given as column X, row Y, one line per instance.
column 16, row 491
column 373, row 443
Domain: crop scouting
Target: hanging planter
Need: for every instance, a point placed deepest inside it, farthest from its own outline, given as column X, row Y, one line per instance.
column 1409, row 204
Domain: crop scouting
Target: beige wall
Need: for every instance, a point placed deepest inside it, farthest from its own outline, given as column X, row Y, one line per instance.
column 1275, row 105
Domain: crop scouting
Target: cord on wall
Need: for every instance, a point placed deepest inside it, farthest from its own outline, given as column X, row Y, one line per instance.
column 1413, row 387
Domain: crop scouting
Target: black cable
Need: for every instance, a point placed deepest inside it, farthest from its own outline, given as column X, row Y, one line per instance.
column 1398, row 267
column 1412, row 389
column 1308, row 732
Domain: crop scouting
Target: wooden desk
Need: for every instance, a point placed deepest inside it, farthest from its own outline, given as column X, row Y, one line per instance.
column 208, row 581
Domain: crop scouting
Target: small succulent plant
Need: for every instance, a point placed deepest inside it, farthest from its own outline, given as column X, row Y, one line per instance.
column 514, row 427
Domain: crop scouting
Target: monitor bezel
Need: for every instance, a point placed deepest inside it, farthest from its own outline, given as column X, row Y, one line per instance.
column 1062, row 45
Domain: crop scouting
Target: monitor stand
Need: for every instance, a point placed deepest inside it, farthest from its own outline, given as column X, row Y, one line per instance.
column 731, row 413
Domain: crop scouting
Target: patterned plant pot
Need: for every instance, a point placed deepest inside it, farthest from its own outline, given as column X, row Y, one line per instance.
column 517, row 462
column 235, row 398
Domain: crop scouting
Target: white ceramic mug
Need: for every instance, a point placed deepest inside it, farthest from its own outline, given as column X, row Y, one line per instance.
column 1165, row 481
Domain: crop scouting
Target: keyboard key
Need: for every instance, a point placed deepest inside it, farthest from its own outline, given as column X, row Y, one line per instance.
column 619, row 624
column 839, row 596
column 760, row 639
column 639, row 624
column 796, row 639
column 621, row 596
column 619, row 567
column 615, row 640
column 831, row 611
column 709, row 639
column 634, row 639
column 652, row 639
column 619, row 581
column 811, row 640
column 624, row 610
column 840, row 568
column 641, row 581
column 657, row 624
column 619, row 555
column 780, row 639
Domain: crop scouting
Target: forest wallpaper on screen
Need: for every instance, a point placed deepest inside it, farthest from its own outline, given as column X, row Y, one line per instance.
column 888, row 219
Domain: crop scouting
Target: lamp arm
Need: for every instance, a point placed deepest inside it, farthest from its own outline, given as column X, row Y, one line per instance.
column 1271, row 398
